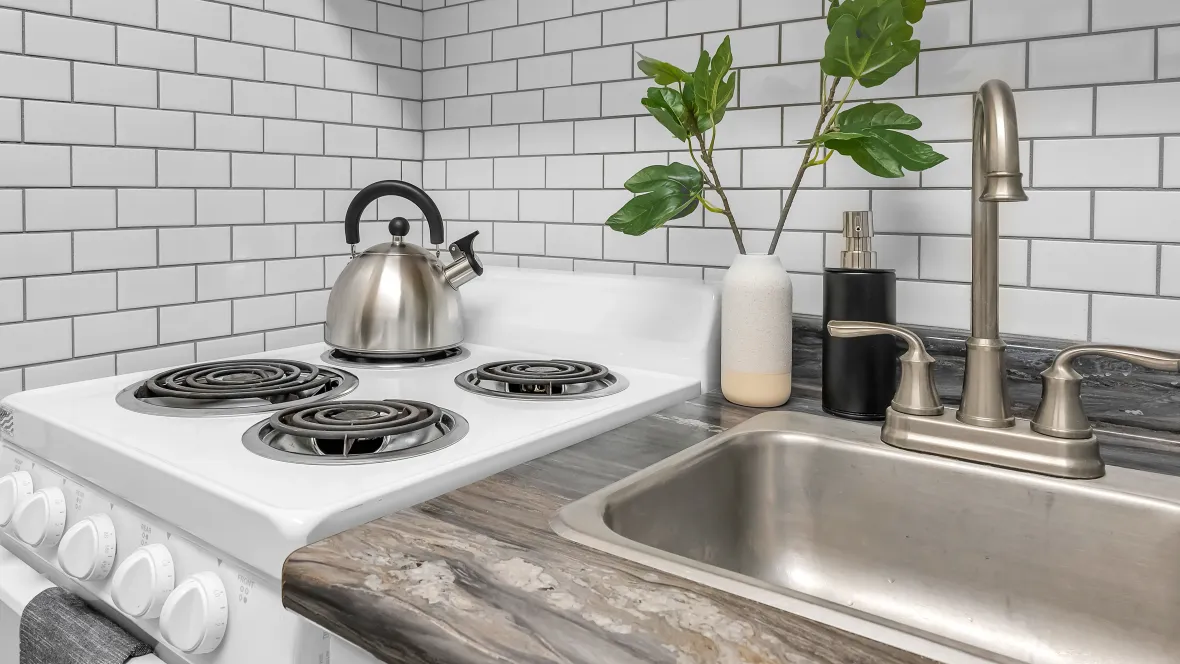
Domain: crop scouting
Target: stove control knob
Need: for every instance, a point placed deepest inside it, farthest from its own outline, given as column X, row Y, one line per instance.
column 15, row 488
column 41, row 519
column 143, row 581
column 87, row 551
column 195, row 614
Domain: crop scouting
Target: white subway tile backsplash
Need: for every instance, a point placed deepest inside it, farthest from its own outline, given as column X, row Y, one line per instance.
column 298, row 274
column 144, row 127
column 155, row 287
column 68, row 209
column 1170, row 271
column 581, row 172
column 789, row 84
column 48, row 375
column 31, row 343
column 468, row 49
column 105, row 84
column 218, row 207
column 1138, row 109
column 311, row 307
column 195, row 321
column 265, row 99
column 255, row 242
column 294, row 137
column 37, row 78
column 512, row 43
column 156, row 207
column 1137, row 216
column 598, row 136
column 640, row 23
column 757, row 12
column 1113, row 14
column 322, row 38
column 753, row 128
column 595, row 207
column 693, row 16
column 1050, row 113
column 263, row 313
column 548, row 205
column 949, row 259
column 1039, row 313
column 1094, row 266
column 468, row 112
column 1106, row 162
column 156, row 50
column 196, row 17
column 50, row 122
column 380, row 49
column 12, row 36
column 70, row 295
column 69, row 38
column 753, row 46
column 114, row 167
column 1056, row 214
column 104, row 333
column 933, row 304
column 965, row 69
column 153, row 359
column 229, row 280
column 184, row 246
column 295, row 68
column 350, row 76
column 573, row 241
column 195, row 93
column 1081, row 60
column 1004, row 20
column 216, row 349
column 573, row 33
column 34, row 166
column 1168, row 42
column 1139, row 321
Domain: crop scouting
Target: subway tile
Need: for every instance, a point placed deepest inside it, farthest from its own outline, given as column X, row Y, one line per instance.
column 311, row 307
column 752, row 46
column 70, row 295
column 327, row 105
column 445, row 22
column 513, row 43
column 350, row 76
column 701, row 246
column 469, row 174
column 1094, row 266
column 633, row 24
column 495, row 141
column 1056, row 214
column 114, row 167
column 154, row 359
column 526, row 238
column 322, row 172
column 217, row 349
column 520, row 173
column 227, row 132
column 379, row 111
column 395, row 144
column 36, row 78
column 442, row 83
column 399, row 21
column 581, row 101
column 945, row 24
column 156, row 207
column 545, row 72
column 581, row 172
column 134, row 12
column 570, row 34
column 196, row 17
column 182, row 246
column 12, row 212
column 255, row 242
column 367, row 171
column 1170, row 271
column 155, row 287
column 294, row 68
column 547, row 138
column 292, row 206
column 1005, row 20
column 518, row 107
column 1138, row 109
column 108, row 250
column 1138, row 321
column 1137, row 216
column 378, row 49
column 547, row 263
column 823, row 209
column 928, row 211
column 294, row 137
column 353, row 13
column 192, row 169
column 468, row 112
column 30, row 343
column 11, row 382
column 1168, row 65
column 69, row 209
column 934, row 304
column 548, row 205
column 49, row 122
column 757, row 12
column 105, row 84
column 265, row 99
column 296, row 336
column 587, row 6
column 393, row 82
column 219, row 207
column 602, row 64
column 1097, row 162
column 965, row 69
column 1024, row 311
column 195, row 93
column 495, row 205
column 105, row 333
column 151, row 128
column 596, row 206
column 298, row 274
column 770, row 168
column 1050, row 113
column 265, row 171
column 651, row 247
column 195, row 321
column 468, row 49
column 34, row 166
column 263, row 313
column 156, row 50
column 69, row 38
column 229, row 280
column 1083, row 60
column 323, row 38
column 1172, row 162
column 1114, row 14
column 573, row 241
column 12, row 37
column 531, row 11
column 789, row 84
column 88, row 368
column 262, row 28
column 687, row 17
column 598, row 136
column 760, row 127
column 949, row 259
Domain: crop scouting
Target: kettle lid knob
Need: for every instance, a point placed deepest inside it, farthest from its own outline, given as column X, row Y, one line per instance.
column 399, row 227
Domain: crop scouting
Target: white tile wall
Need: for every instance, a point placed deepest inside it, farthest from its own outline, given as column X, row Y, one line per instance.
column 565, row 130
column 214, row 144
column 148, row 165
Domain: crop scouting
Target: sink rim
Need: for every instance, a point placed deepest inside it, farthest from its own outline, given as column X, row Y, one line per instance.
column 584, row 522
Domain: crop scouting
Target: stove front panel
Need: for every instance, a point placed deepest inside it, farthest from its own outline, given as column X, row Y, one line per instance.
column 258, row 629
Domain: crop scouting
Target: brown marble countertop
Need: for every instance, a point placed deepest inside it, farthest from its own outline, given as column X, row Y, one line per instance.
column 477, row 576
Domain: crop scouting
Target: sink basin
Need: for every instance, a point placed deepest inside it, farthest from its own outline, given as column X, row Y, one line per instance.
column 957, row 561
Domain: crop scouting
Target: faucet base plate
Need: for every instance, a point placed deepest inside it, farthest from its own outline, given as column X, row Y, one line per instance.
column 1017, row 447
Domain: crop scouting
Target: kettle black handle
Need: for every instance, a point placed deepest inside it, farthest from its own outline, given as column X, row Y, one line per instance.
column 352, row 219
column 466, row 246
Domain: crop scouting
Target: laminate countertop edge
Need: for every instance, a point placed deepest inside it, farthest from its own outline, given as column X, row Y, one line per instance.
column 477, row 576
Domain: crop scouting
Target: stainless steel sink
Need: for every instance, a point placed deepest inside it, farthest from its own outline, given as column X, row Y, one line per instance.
column 943, row 557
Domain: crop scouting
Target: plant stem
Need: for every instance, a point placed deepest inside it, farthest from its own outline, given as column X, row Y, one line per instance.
column 707, row 157
column 825, row 110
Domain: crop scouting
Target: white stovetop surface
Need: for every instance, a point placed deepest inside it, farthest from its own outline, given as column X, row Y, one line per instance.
column 196, row 474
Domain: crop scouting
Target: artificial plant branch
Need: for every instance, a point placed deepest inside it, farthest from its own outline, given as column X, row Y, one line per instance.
column 825, row 110
column 707, row 157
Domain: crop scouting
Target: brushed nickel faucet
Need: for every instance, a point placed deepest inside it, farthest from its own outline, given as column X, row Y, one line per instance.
column 1059, row 440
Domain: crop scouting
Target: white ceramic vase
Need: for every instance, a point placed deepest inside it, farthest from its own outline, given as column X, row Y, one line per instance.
column 756, row 335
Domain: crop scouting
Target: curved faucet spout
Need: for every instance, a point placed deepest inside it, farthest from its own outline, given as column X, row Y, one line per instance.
column 995, row 178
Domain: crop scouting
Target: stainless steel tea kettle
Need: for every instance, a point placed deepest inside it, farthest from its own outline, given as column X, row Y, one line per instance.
column 397, row 299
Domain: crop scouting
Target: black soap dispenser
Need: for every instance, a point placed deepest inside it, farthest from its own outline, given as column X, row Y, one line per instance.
column 859, row 375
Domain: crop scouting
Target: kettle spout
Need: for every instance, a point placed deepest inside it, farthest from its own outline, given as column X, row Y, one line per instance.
column 466, row 265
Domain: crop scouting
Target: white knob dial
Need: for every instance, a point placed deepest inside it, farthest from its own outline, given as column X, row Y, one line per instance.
column 87, row 550
column 41, row 519
column 15, row 488
column 195, row 614
column 143, row 581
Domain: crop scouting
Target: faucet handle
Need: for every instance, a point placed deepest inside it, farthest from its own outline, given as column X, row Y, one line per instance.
column 916, row 393
column 1060, row 414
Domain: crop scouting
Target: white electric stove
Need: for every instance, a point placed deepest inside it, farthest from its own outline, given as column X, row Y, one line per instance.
column 173, row 515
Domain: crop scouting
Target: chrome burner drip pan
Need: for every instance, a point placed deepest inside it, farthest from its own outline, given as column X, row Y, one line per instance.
column 235, row 387
column 355, row 432
column 542, row 380
column 341, row 358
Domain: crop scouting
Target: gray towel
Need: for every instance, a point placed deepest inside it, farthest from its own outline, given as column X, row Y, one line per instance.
column 58, row 628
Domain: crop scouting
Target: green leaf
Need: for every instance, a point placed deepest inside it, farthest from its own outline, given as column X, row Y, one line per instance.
column 869, row 156
column 662, row 72
column 909, row 152
column 724, row 96
column 832, row 136
column 890, row 62
column 913, row 9
column 667, row 106
column 653, row 176
column 668, row 192
column 869, row 41
column 876, row 114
